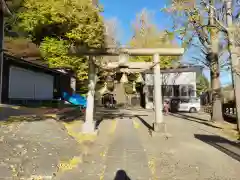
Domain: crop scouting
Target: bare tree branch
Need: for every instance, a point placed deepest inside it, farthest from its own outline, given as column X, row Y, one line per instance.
column 206, row 5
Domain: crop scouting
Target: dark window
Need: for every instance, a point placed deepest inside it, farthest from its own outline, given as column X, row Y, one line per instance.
column 150, row 93
column 185, row 100
column 167, row 90
column 191, row 91
column 184, row 91
column 176, row 92
column 150, row 90
column 164, row 89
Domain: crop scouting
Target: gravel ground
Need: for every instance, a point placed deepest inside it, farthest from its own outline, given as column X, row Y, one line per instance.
column 34, row 149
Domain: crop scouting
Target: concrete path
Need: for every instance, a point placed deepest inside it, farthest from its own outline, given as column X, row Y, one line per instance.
column 126, row 153
column 188, row 150
column 116, row 154
column 126, row 148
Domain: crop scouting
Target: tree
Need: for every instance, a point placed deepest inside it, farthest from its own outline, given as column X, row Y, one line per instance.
column 147, row 35
column 10, row 21
column 112, row 32
column 14, row 5
column 197, row 26
column 111, row 40
column 55, row 25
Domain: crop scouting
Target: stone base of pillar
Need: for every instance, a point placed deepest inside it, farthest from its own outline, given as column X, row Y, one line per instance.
column 89, row 128
column 159, row 127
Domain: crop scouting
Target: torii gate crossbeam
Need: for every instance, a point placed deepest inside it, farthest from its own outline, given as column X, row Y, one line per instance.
column 89, row 126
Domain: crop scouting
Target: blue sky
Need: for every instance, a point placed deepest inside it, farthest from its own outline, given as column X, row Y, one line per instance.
column 125, row 12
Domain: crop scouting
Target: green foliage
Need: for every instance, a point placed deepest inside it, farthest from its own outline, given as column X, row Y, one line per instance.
column 147, row 35
column 55, row 25
column 55, row 52
column 202, row 84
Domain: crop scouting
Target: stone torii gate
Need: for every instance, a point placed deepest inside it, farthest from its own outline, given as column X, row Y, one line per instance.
column 89, row 125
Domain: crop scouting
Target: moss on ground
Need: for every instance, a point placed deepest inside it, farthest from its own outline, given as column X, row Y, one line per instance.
column 73, row 130
column 69, row 165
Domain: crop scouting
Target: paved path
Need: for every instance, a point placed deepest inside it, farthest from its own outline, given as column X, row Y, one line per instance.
column 117, row 154
column 192, row 151
column 125, row 147
column 126, row 153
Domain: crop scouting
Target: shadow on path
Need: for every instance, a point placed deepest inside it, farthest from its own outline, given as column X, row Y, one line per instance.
column 194, row 119
column 192, row 116
column 121, row 175
column 145, row 123
column 7, row 112
column 230, row 148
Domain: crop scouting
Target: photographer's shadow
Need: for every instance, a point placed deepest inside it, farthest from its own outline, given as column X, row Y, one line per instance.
column 121, row 175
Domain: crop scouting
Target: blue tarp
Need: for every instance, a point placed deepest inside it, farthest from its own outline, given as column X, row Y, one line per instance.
column 75, row 99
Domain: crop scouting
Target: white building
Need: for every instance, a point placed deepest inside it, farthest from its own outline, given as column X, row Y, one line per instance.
column 176, row 83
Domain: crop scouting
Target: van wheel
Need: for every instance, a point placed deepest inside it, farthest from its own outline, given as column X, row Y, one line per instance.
column 193, row 110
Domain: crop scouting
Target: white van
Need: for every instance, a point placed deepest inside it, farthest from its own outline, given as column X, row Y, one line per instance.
column 191, row 105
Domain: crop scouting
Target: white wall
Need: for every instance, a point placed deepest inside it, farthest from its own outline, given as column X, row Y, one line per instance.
column 179, row 78
column 27, row 84
column 174, row 78
column 21, row 83
column 183, row 79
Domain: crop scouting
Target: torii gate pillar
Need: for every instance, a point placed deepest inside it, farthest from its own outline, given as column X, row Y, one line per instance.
column 89, row 125
column 157, row 94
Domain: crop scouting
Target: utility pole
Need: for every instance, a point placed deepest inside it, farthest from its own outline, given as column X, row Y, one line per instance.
column 233, row 58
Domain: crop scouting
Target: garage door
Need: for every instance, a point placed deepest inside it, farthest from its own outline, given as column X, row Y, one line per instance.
column 43, row 86
column 26, row 84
